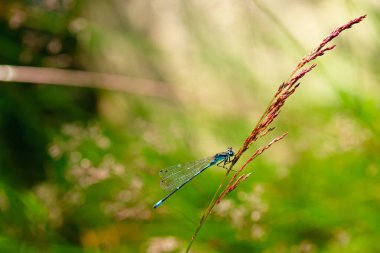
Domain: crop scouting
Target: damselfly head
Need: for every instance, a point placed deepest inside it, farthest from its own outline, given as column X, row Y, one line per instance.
column 230, row 152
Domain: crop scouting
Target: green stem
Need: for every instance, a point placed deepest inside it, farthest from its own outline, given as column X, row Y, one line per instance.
column 209, row 209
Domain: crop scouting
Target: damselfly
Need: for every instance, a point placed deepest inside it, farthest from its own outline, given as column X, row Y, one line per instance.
column 175, row 177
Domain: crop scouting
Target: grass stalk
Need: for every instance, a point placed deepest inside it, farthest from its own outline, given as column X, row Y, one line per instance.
column 262, row 128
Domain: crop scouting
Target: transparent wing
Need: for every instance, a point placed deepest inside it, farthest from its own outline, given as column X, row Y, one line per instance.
column 176, row 175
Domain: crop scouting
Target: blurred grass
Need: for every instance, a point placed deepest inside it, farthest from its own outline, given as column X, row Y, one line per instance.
column 79, row 166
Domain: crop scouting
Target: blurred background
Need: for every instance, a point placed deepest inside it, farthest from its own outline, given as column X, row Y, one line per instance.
column 97, row 96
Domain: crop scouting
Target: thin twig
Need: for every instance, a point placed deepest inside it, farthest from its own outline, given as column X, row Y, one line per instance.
column 77, row 78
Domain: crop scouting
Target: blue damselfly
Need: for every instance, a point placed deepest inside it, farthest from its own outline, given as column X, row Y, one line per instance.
column 175, row 177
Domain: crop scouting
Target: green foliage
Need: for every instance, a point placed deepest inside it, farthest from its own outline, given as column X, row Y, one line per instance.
column 79, row 166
